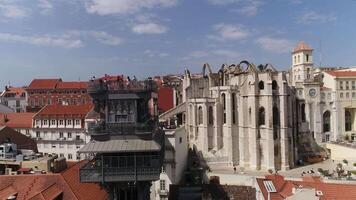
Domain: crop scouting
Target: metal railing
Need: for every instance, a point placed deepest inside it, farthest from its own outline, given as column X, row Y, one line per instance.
column 120, row 128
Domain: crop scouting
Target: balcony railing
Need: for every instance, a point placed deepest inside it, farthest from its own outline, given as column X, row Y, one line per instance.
column 120, row 128
column 90, row 174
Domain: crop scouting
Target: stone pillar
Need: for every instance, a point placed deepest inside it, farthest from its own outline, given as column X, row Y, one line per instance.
column 227, row 139
column 204, row 135
column 243, row 122
column 253, row 146
column 283, row 132
column 269, row 134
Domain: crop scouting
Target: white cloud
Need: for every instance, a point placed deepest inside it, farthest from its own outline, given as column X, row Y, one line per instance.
column 152, row 53
column 100, row 36
column 231, row 32
column 217, row 53
column 275, row 45
column 314, row 17
column 149, row 28
column 43, row 40
column 12, row 11
column 45, row 5
column 223, row 2
column 107, row 7
column 250, row 8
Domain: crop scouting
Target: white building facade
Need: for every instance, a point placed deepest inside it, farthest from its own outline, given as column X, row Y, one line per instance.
column 15, row 98
column 60, row 129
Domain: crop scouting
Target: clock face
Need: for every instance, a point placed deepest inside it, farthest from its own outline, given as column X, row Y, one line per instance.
column 312, row 92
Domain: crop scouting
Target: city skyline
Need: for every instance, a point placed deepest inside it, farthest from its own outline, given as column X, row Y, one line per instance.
column 75, row 40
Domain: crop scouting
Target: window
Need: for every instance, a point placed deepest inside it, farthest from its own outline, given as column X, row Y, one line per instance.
column 38, row 134
column 307, row 57
column 69, row 122
column 77, row 137
column 78, row 146
column 163, row 170
column 180, row 140
column 261, row 85
column 211, row 115
column 44, row 134
column 78, row 157
column 302, row 110
column 274, row 85
column 326, row 121
column 61, row 155
column 27, row 132
column 353, row 95
column 60, row 134
column 353, row 85
column 77, row 122
column 45, row 122
column 347, row 95
column 53, row 122
column 224, row 107
column 295, row 59
column 347, row 120
column 69, row 135
column 60, row 101
column 341, row 85
column 347, row 85
column 70, row 156
column 341, row 95
column 37, row 122
column 162, row 184
column 60, row 122
column 261, row 116
column 200, row 115
column 298, row 58
column 233, row 108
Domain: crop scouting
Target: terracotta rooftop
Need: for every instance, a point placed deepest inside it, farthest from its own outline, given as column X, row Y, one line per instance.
column 56, row 84
column 44, row 83
column 284, row 188
column 72, row 85
column 16, row 120
column 50, row 186
column 18, row 91
column 301, row 46
column 342, row 73
column 56, row 109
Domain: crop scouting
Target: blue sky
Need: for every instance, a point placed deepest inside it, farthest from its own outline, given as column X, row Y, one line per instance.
column 76, row 39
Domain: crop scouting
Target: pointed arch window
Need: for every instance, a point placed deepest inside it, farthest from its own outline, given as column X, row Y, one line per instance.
column 302, row 109
column 326, row 121
column 211, row 115
column 261, row 116
column 200, row 115
column 233, row 108
column 223, row 98
column 274, row 85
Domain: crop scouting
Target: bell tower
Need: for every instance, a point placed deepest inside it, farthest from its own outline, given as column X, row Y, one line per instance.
column 302, row 63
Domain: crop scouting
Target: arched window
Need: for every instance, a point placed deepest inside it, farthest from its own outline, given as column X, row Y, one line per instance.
column 274, row 85
column 302, row 111
column 326, row 121
column 223, row 98
column 233, row 108
column 298, row 58
column 261, row 116
column 307, row 57
column 347, row 120
column 191, row 117
column 211, row 115
column 261, row 85
column 200, row 115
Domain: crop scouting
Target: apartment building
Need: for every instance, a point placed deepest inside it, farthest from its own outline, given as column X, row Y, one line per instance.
column 15, row 98
column 60, row 129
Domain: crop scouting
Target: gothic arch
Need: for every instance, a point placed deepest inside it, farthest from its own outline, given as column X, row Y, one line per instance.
column 206, row 66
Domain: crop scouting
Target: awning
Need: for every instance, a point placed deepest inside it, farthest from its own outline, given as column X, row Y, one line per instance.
column 121, row 145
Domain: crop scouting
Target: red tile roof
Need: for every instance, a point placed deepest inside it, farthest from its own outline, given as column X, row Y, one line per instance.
column 55, row 109
column 284, row 188
column 50, row 186
column 86, row 191
column 18, row 91
column 72, row 85
column 342, row 73
column 16, row 120
column 301, row 46
column 43, row 83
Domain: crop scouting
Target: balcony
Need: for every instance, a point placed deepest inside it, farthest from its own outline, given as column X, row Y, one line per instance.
column 91, row 174
column 120, row 128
